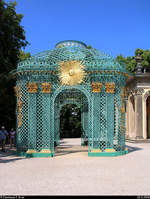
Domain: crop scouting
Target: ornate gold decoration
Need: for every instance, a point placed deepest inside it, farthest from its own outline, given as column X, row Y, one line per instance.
column 96, row 87
column 71, row 72
column 32, row 87
column 110, row 87
column 46, row 87
column 19, row 106
column 45, row 151
column 31, row 151
column 19, row 118
column 110, row 150
column 122, row 91
column 122, row 108
column 96, row 150
column 17, row 90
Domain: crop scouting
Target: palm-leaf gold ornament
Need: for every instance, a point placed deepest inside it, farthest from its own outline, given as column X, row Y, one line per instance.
column 71, row 72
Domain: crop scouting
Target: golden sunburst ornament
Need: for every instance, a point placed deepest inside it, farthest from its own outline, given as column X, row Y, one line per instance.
column 71, row 72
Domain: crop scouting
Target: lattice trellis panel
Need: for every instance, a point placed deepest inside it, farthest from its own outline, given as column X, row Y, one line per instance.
column 40, row 115
column 100, row 97
column 103, row 122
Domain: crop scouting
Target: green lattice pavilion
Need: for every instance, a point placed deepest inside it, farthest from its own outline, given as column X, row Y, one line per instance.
column 71, row 73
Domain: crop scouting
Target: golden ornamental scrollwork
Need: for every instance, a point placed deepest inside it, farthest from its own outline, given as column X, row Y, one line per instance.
column 96, row 87
column 19, row 106
column 17, row 90
column 32, row 87
column 18, row 94
column 110, row 87
column 46, row 87
column 122, row 92
column 19, row 118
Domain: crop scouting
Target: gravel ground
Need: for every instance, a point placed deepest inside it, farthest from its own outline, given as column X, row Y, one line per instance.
column 72, row 172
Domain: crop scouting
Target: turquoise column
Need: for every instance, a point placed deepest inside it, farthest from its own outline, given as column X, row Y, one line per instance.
column 83, row 129
column 45, row 123
column 110, row 119
column 86, row 123
column 90, row 123
column 96, row 121
column 57, row 127
column 52, row 127
column 46, row 118
column 32, row 123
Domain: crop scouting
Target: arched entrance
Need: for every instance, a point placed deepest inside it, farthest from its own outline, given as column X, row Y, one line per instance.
column 148, row 116
column 78, row 98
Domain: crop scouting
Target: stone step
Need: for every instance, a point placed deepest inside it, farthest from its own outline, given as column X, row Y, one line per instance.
column 138, row 141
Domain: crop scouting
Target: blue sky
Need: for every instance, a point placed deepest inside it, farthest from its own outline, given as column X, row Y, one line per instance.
column 111, row 26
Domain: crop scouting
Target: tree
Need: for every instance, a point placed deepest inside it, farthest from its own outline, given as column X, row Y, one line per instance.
column 23, row 55
column 89, row 46
column 130, row 62
column 12, row 39
column 70, row 121
column 145, row 54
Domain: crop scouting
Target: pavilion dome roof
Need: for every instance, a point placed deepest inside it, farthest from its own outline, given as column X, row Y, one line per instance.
column 69, row 50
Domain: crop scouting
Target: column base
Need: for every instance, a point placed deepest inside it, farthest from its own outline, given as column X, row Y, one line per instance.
column 106, row 153
column 39, row 155
column 30, row 153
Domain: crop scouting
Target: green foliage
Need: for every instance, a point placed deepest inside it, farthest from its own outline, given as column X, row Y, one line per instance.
column 89, row 46
column 70, row 121
column 22, row 55
column 12, row 39
column 130, row 62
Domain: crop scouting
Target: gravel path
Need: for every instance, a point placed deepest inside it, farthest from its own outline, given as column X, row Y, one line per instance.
column 72, row 172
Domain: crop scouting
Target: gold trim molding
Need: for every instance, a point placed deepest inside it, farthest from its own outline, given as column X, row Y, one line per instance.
column 32, row 87
column 96, row 87
column 110, row 87
column 46, row 87
column 110, row 150
column 96, row 150
column 19, row 106
column 19, row 118
column 17, row 90
column 45, row 151
column 31, row 151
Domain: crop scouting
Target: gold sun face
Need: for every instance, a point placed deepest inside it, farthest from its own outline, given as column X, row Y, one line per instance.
column 71, row 72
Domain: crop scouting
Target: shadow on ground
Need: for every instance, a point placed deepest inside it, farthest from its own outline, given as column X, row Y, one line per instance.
column 133, row 149
column 68, row 149
column 9, row 156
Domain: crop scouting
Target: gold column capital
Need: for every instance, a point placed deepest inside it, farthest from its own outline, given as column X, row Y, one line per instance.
column 110, row 87
column 17, row 90
column 32, row 87
column 46, row 87
column 96, row 87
